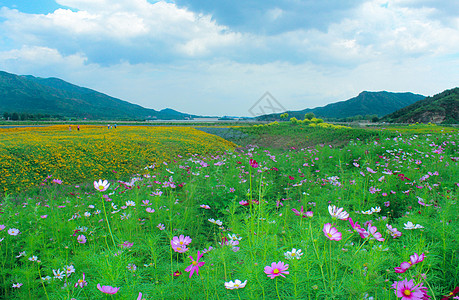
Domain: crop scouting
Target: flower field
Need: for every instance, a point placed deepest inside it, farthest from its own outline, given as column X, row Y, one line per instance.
column 374, row 219
column 29, row 155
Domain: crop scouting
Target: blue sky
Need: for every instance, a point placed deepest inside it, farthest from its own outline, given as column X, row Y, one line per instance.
column 220, row 57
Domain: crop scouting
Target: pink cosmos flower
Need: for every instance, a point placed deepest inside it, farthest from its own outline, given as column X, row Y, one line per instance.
column 150, row 210
column 276, row 269
column 17, row 285
column 414, row 259
column 81, row 239
column 374, row 234
column 204, row 206
column 331, row 232
column 101, row 186
column 393, row 231
column 195, row 264
column 244, row 203
column 126, row 244
column 106, row 289
column 406, row 290
column 180, row 241
column 302, row 213
column 81, row 282
column 253, row 163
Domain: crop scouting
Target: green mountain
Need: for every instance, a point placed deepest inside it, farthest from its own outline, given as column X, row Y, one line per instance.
column 53, row 96
column 441, row 108
column 366, row 103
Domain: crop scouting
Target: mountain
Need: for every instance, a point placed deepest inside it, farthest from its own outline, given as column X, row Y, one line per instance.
column 29, row 94
column 366, row 103
column 440, row 108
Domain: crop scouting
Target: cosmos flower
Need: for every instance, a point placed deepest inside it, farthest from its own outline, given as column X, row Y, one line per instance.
column 195, row 264
column 106, row 289
column 237, row 284
column 101, row 186
column 293, row 254
column 331, row 232
column 13, row 231
column 81, row 282
column 406, row 290
column 276, row 269
column 338, row 213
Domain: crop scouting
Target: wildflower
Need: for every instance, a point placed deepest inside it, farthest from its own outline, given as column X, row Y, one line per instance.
column 81, row 282
column 244, row 202
column 58, row 274
column 303, row 214
column 374, row 234
column 276, row 269
column 46, row 278
column 195, row 264
column 87, row 214
column 410, row 225
column 408, row 291
column 81, row 239
column 32, row 258
column 387, row 203
column 237, row 284
column 253, row 163
column 331, row 232
column 452, row 294
column 393, row 231
column 414, row 259
column 126, row 244
column 69, row 270
column 131, row 267
column 293, row 254
column 234, row 237
column 177, row 274
column 106, row 289
column 217, row 222
column 43, row 216
column 2, row 227
column 161, row 226
column 13, row 231
column 204, row 206
column 57, row 181
column 101, row 186
column 17, row 285
column 180, row 241
column 150, row 210
column 338, row 213
column 130, row 203
column 23, row 253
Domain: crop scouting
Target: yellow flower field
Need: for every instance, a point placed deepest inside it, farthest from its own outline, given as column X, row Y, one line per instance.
column 29, row 155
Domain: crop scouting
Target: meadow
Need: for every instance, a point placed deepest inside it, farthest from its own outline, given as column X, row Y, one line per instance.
column 366, row 214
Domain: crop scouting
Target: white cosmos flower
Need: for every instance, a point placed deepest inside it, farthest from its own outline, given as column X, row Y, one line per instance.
column 293, row 254
column 217, row 222
column 338, row 213
column 101, row 186
column 130, row 203
column 237, row 284
column 410, row 225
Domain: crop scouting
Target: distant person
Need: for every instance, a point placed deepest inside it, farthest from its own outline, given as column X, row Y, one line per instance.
column 108, row 126
column 78, row 127
column 70, row 128
column 115, row 126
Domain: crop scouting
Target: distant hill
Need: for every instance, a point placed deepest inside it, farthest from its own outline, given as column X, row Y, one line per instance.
column 29, row 94
column 441, row 108
column 366, row 103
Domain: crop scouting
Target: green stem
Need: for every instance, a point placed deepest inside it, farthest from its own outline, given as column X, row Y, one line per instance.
column 108, row 223
column 277, row 290
column 42, row 283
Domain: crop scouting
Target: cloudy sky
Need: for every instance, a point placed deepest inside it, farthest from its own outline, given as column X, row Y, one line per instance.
column 219, row 57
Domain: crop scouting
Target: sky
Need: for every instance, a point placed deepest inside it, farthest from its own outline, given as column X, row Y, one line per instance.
column 235, row 58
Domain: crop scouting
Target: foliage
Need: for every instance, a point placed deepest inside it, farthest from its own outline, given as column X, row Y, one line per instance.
column 259, row 205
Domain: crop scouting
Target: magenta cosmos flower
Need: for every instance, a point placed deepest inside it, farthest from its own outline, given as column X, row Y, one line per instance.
column 276, row 269
column 331, row 232
column 195, row 264
column 408, row 291
column 106, row 289
column 253, row 163
column 101, row 186
column 81, row 282
column 414, row 259
column 302, row 213
column 179, row 243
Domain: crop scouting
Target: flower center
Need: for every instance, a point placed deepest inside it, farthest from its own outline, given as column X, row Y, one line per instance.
column 293, row 254
column 407, row 292
column 236, row 285
column 181, row 243
column 329, row 234
column 178, row 248
column 276, row 271
column 194, row 262
column 101, row 187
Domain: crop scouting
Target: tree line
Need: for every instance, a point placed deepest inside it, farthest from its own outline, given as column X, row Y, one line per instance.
column 17, row 116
